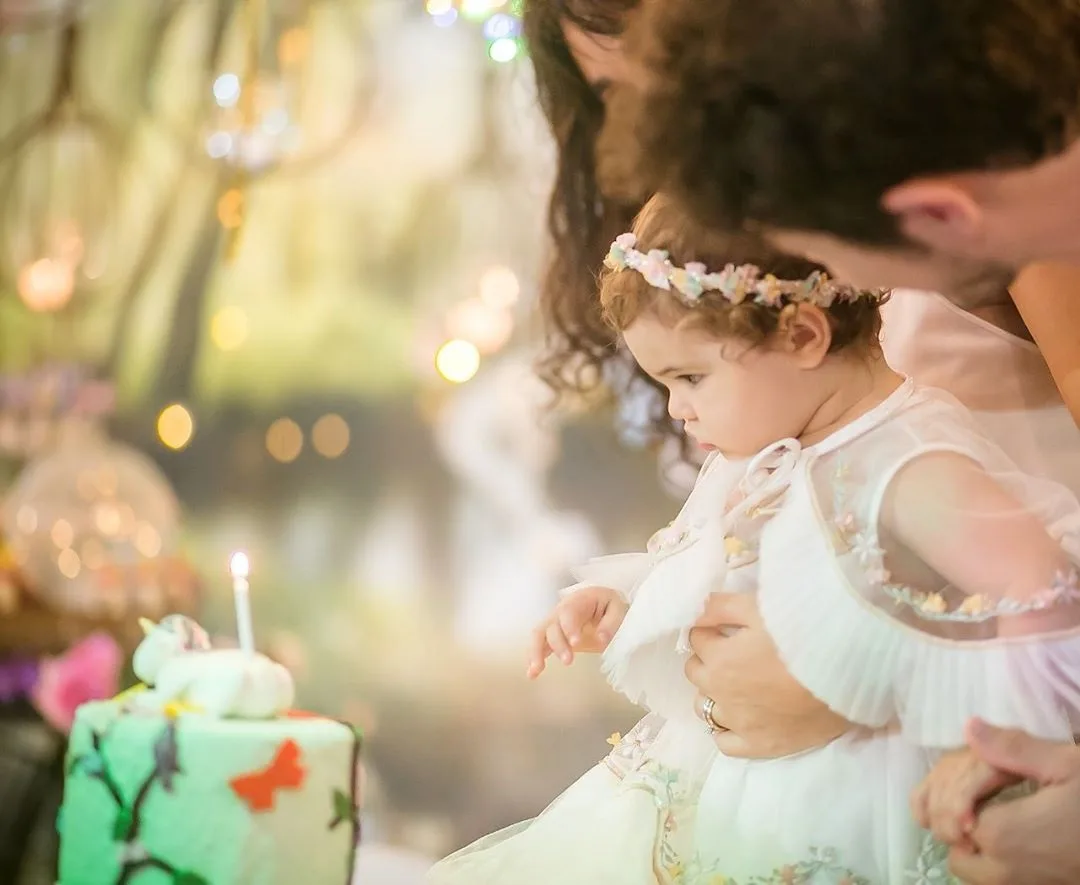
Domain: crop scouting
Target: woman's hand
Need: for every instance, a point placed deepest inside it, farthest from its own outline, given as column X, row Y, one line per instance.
column 765, row 711
column 947, row 801
column 1030, row 840
column 583, row 621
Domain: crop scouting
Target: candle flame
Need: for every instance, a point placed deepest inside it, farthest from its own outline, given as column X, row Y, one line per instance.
column 239, row 565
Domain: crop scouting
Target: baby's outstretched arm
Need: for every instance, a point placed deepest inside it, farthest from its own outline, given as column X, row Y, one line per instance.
column 583, row 621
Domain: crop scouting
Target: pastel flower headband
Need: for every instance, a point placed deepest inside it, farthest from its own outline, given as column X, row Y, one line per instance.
column 734, row 283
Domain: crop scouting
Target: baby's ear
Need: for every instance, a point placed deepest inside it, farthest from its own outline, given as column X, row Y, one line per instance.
column 805, row 332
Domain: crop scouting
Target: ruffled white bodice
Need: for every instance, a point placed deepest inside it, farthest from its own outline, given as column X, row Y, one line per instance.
column 799, row 526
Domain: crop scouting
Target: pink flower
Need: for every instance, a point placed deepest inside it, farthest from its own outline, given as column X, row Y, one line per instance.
column 89, row 671
column 655, row 268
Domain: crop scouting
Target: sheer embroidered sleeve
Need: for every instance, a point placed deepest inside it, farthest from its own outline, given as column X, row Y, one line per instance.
column 919, row 578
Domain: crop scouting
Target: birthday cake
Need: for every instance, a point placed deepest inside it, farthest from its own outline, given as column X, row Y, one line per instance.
column 203, row 776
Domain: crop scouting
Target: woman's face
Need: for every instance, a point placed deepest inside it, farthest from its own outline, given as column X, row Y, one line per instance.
column 600, row 57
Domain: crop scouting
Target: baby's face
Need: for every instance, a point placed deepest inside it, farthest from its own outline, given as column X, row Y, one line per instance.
column 730, row 396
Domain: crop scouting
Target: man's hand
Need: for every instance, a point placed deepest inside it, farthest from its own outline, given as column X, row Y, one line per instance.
column 1032, row 840
column 734, row 662
column 583, row 621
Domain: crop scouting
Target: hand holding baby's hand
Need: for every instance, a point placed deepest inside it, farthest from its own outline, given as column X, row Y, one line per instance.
column 583, row 621
column 947, row 800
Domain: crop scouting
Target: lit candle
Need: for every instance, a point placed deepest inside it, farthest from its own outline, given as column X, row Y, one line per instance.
column 240, row 567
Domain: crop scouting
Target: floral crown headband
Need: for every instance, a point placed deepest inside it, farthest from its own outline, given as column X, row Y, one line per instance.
column 734, row 283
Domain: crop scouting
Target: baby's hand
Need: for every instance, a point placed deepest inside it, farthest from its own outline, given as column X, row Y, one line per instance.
column 583, row 621
column 947, row 800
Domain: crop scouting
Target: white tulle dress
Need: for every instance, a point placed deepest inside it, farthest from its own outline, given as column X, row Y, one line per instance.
column 907, row 663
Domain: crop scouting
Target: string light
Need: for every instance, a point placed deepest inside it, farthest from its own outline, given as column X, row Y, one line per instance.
column 502, row 29
column 107, row 519
column 458, row 361
column 62, row 534
column 330, row 436
column 229, row 328
column 501, row 26
column 46, row 285
column 230, row 206
column 175, row 427
column 284, row 440
column 227, row 90
column 68, row 564
column 503, row 50
column 147, row 540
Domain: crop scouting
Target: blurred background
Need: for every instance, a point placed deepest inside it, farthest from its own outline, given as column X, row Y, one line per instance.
column 267, row 282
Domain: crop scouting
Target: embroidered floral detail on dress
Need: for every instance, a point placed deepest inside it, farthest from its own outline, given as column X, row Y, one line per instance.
column 675, row 799
column 978, row 608
column 863, row 544
column 631, row 751
column 932, row 866
column 822, row 866
column 673, row 537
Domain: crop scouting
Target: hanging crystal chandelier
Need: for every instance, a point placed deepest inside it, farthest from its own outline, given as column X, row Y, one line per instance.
column 278, row 85
column 58, row 195
column 59, row 177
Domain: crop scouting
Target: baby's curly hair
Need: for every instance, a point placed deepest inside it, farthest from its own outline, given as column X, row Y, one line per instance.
column 802, row 115
column 626, row 295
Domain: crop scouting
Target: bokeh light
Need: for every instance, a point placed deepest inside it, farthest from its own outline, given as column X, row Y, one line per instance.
column 175, row 427
column 62, row 534
column 284, row 440
column 227, row 90
column 230, row 207
column 229, row 328
column 458, row 360
column 69, row 564
column 330, row 436
column 47, row 284
column 504, row 50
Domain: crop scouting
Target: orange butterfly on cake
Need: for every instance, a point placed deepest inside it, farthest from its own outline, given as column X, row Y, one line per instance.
column 258, row 789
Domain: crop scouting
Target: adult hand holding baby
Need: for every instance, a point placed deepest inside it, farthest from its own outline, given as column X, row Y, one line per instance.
column 1032, row 840
column 766, row 712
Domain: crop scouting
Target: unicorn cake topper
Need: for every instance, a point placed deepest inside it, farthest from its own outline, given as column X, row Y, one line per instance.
column 181, row 670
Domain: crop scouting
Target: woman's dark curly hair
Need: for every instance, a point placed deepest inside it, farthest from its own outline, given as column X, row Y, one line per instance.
column 582, row 221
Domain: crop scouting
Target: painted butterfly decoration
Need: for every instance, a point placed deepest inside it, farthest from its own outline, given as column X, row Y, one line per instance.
column 258, row 789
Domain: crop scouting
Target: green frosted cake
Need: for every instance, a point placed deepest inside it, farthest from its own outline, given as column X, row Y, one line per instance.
column 206, row 777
